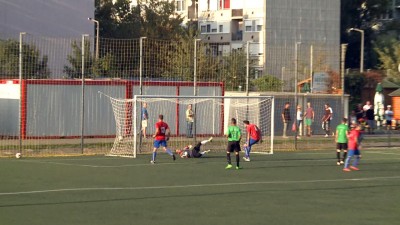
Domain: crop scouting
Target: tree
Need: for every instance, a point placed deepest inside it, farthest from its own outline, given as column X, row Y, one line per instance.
column 268, row 83
column 33, row 64
column 365, row 15
column 388, row 50
column 74, row 70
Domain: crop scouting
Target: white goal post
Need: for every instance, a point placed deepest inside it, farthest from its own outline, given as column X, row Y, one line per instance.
column 212, row 115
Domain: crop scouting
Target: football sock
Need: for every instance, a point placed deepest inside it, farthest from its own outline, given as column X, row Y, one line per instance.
column 356, row 161
column 338, row 155
column 346, row 163
column 237, row 160
column 228, row 157
column 344, row 155
column 204, row 142
column 154, row 156
column 168, row 151
column 246, row 151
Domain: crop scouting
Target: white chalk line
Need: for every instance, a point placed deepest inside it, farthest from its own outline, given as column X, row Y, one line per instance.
column 189, row 162
column 193, row 185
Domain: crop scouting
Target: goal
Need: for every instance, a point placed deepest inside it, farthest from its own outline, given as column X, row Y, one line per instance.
column 212, row 115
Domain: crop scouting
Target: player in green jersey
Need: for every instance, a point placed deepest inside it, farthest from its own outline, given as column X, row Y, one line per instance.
column 341, row 141
column 234, row 136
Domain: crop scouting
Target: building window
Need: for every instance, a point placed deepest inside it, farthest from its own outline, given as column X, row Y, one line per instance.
column 259, row 27
column 180, row 5
column 208, row 28
column 221, row 28
column 214, row 30
column 248, row 28
column 203, row 29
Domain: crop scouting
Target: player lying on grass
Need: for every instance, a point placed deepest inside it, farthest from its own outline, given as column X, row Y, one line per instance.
column 193, row 152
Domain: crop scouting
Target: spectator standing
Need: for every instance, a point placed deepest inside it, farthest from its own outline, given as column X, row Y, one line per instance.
column 189, row 121
column 309, row 118
column 299, row 120
column 326, row 119
column 388, row 116
column 369, row 114
column 286, row 119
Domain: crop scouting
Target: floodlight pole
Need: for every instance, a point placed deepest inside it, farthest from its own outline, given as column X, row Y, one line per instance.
column 362, row 48
column 97, row 35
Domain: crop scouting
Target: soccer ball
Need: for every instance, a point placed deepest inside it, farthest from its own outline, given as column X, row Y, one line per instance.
column 18, row 155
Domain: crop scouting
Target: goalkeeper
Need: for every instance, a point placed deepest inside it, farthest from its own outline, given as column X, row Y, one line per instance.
column 193, row 152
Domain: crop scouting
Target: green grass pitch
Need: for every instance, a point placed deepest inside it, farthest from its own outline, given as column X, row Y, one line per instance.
column 302, row 188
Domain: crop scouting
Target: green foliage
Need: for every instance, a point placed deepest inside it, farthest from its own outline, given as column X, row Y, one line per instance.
column 33, row 64
column 388, row 49
column 354, row 84
column 233, row 72
column 105, row 66
column 267, row 83
column 74, row 70
column 159, row 19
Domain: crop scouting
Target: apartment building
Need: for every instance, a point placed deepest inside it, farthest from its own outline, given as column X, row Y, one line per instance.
column 271, row 29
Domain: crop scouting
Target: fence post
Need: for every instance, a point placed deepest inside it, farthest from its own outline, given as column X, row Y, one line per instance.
column 21, row 39
column 84, row 36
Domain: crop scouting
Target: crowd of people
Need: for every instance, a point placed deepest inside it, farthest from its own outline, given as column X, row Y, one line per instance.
column 364, row 115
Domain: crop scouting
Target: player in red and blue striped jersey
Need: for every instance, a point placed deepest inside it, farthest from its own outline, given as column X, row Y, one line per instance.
column 253, row 137
column 161, row 136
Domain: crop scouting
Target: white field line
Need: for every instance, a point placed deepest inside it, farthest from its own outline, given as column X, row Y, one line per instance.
column 200, row 162
column 194, row 185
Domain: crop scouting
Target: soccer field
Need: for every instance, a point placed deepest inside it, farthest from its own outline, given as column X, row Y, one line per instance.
column 284, row 188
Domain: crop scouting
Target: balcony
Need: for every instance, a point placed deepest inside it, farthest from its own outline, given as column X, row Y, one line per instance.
column 238, row 13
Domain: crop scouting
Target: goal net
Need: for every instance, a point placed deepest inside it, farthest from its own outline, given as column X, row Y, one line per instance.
column 212, row 116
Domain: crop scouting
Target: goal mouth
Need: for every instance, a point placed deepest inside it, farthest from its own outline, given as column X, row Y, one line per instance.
column 211, row 118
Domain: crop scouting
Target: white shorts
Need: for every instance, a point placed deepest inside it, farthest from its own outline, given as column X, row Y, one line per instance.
column 144, row 123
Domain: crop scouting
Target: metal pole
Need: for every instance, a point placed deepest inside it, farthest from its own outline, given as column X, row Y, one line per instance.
column 84, row 36
column 295, row 89
column 362, row 52
column 195, row 68
column 21, row 39
column 282, row 73
column 247, row 67
column 362, row 48
column 311, row 67
column 97, row 36
column 195, row 86
column 342, row 70
column 141, row 65
column 97, row 39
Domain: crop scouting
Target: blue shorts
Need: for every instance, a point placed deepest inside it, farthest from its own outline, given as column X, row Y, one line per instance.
column 352, row 152
column 158, row 143
column 252, row 142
